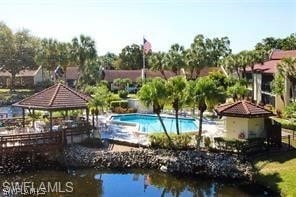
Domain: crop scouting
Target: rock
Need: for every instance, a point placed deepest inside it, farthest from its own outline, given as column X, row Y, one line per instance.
column 217, row 165
column 163, row 169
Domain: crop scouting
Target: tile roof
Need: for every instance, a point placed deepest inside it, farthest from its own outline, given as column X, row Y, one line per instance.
column 110, row 75
column 23, row 73
column 57, row 96
column 242, row 109
column 280, row 54
column 268, row 67
column 72, row 72
column 206, row 71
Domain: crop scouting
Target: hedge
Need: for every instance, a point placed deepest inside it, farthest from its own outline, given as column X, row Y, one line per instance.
column 160, row 140
column 123, row 104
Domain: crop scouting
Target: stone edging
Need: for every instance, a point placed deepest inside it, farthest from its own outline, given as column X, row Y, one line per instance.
column 214, row 165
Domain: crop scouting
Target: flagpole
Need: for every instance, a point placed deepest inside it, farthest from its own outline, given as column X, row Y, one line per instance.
column 143, row 70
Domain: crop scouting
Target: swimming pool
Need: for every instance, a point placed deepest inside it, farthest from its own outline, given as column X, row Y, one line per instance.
column 150, row 123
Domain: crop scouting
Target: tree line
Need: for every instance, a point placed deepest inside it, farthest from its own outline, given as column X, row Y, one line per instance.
column 21, row 50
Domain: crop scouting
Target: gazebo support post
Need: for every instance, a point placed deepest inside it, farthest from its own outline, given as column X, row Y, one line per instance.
column 33, row 119
column 23, row 120
column 50, row 121
column 87, row 115
column 87, row 121
column 67, row 115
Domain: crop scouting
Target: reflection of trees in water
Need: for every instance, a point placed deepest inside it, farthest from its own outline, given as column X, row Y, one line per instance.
column 84, row 182
column 88, row 183
column 176, row 185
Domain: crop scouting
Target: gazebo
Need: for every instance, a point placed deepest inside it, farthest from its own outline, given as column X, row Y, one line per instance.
column 244, row 119
column 55, row 98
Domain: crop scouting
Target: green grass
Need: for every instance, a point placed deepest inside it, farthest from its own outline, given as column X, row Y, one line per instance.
column 3, row 90
column 278, row 171
column 134, row 96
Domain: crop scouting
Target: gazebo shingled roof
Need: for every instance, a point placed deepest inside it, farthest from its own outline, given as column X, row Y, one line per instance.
column 242, row 109
column 55, row 97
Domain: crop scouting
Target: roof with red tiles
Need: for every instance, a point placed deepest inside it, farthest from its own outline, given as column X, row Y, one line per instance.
column 268, row 67
column 242, row 109
column 22, row 73
column 72, row 72
column 133, row 75
column 280, row 54
column 55, row 97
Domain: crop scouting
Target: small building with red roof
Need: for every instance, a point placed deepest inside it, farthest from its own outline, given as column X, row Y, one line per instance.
column 244, row 119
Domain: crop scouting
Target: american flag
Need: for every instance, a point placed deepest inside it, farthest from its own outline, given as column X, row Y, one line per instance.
column 147, row 46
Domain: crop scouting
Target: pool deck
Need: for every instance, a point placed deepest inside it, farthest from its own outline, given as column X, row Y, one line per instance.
column 130, row 134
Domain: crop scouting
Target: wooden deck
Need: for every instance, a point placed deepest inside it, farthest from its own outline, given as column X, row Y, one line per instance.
column 35, row 142
column 40, row 142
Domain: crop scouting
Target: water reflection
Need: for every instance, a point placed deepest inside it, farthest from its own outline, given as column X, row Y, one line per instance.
column 135, row 183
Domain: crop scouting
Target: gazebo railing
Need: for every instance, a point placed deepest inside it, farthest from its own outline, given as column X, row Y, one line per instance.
column 31, row 140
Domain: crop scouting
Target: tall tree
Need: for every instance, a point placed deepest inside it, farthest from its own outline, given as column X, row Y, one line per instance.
column 270, row 43
column 204, row 94
column 205, row 52
column 108, row 60
column 176, row 87
column 47, row 54
column 84, row 53
column 17, row 51
column 154, row 93
column 157, row 61
column 65, row 58
column 130, row 58
column 175, row 58
column 99, row 100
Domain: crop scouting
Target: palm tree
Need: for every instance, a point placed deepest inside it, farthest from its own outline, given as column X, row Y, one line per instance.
column 230, row 64
column 237, row 91
column 157, row 61
column 176, row 87
column 175, row 58
column 83, row 52
column 205, row 94
column 155, row 93
column 99, row 100
column 65, row 58
column 287, row 69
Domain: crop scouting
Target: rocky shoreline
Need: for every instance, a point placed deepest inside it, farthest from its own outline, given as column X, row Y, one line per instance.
column 214, row 165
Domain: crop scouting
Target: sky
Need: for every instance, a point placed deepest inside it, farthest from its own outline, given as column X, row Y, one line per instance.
column 114, row 24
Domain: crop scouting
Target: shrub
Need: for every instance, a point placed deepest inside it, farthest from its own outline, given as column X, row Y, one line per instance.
column 120, row 110
column 241, row 146
column 92, row 143
column 114, row 104
column 123, row 94
column 123, row 104
column 207, row 141
column 160, row 140
column 132, row 110
column 42, row 85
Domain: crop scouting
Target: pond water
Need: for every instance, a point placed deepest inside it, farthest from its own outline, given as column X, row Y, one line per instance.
column 92, row 182
column 10, row 111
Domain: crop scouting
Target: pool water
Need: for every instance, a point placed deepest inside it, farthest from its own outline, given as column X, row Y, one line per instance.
column 151, row 123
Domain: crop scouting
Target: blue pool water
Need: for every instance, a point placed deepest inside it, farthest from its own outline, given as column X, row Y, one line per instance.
column 151, row 123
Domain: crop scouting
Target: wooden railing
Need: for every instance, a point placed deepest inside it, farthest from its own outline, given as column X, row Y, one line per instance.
column 31, row 140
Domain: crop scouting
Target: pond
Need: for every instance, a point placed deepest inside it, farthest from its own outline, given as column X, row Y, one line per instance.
column 10, row 111
column 92, row 182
